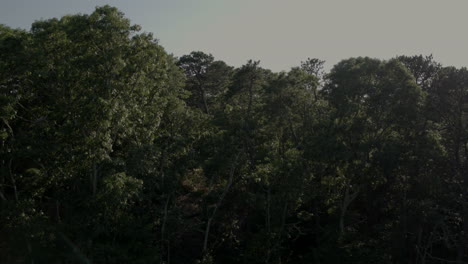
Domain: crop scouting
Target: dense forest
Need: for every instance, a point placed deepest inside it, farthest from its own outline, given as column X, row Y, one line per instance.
column 114, row 151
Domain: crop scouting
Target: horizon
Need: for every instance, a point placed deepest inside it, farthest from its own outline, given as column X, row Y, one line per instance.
column 280, row 34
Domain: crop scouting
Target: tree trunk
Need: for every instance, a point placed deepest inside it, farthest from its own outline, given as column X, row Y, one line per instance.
column 348, row 198
column 93, row 180
column 13, row 181
column 163, row 228
column 205, row 102
column 218, row 204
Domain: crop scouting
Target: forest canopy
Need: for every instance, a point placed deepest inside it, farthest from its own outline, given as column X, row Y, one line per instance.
column 114, row 151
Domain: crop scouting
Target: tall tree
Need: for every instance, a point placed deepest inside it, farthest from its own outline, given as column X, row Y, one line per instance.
column 207, row 79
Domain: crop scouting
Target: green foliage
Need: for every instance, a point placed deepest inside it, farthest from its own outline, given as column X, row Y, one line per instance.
column 113, row 151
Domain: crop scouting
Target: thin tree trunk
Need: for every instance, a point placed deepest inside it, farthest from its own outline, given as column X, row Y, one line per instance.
column 348, row 198
column 57, row 211
column 30, row 251
column 268, row 224
column 268, row 216
column 462, row 174
column 2, row 196
column 280, row 234
column 2, row 183
column 218, row 204
column 163, row 228
column 205, row 102
column 13, row 181
column 462, row 246
column 94, row 176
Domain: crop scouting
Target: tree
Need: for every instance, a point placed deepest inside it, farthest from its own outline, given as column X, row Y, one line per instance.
column 88, row 89
column 207, row 79
column 113, row 151
column 450, row 98
column 377, row 112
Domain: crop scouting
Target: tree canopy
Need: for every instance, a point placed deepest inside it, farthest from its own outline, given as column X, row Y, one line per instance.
column 114, row 151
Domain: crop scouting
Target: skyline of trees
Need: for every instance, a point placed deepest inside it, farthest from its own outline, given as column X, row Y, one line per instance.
column 114, row 151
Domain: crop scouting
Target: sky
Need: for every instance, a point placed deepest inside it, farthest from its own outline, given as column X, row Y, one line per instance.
column 282, row 33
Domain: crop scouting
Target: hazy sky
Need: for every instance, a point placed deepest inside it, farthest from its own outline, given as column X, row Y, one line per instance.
column 282, row 33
